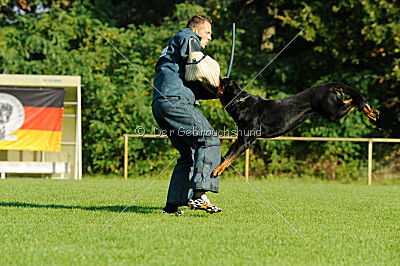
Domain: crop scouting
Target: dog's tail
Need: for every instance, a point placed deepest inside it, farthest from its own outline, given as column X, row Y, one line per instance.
column 355, row 99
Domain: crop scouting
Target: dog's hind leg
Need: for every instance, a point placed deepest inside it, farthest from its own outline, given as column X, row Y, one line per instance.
column 348, row 101
column 349, row 109
column 357, row 100
column 350, row 106
column 334, row 103
column 372, row 113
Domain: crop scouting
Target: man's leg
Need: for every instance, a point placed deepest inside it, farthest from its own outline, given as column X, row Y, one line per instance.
column 207, row 157
column 190, row 127
column 170, row 119
column 183, row 170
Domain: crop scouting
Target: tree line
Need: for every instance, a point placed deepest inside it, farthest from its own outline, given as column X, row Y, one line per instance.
column 356, row 42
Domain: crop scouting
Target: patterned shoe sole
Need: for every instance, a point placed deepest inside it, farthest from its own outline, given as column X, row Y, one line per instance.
column 201, row 205
column 213, row 209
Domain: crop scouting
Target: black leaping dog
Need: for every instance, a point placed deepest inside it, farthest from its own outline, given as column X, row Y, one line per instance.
column 265, row 118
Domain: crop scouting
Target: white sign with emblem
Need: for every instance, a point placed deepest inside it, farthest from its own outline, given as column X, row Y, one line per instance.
column 12, row 116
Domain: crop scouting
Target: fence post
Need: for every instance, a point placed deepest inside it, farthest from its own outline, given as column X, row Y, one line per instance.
column 126, row 156
column 370, row 162
column 247, row 165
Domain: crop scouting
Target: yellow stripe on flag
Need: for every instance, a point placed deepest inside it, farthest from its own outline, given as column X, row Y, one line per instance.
column 32, row 140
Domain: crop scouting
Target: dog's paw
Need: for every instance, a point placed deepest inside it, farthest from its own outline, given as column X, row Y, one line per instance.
column 215, row 173
column 220, row 168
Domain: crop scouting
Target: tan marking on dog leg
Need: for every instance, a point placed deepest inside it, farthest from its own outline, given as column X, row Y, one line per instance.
column 220, row 89
column 351, row 109
column 218, row 171
column 347, row 101
column 369, row 112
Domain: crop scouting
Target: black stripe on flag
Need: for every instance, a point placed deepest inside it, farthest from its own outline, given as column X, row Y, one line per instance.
column 37, row 97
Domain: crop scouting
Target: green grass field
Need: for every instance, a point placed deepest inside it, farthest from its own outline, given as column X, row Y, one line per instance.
column 57, row 222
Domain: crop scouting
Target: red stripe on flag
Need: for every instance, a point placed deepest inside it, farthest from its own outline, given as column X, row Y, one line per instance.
column 43, row 118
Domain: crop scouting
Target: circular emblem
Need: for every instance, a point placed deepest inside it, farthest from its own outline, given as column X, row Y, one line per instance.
column 12, row 114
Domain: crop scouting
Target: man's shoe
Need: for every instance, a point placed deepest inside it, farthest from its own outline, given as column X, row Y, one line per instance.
column 178, row 212
column 171, row 211
column 200, row 204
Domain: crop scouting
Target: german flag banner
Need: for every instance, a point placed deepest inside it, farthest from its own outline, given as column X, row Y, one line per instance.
column 31, row 118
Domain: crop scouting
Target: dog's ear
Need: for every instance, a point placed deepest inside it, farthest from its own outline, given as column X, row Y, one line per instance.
column 234, row 84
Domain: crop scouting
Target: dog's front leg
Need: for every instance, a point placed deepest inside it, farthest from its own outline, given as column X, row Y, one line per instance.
column 228, row 159
column 237, row 148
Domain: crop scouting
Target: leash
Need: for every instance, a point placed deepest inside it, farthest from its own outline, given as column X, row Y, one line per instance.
column 232, row 51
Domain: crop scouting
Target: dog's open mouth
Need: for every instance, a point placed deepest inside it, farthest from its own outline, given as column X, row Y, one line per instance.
column 372, row 113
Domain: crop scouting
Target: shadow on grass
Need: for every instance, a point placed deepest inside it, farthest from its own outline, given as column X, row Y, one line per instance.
column 115, row 208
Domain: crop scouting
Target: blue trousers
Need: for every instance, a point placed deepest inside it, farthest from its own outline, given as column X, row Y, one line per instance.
column 199, row 147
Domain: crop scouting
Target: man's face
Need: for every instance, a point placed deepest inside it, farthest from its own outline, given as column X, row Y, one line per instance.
column 204, row 31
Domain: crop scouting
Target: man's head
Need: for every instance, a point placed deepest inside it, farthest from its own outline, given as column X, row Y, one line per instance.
column 201, row 25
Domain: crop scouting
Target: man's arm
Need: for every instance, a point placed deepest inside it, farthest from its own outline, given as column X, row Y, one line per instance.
column 189, row 45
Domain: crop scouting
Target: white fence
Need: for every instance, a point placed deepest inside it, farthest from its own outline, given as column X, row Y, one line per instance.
column 370, row 142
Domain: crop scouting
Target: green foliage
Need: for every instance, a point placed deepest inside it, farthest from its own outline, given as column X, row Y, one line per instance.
column 355, row 42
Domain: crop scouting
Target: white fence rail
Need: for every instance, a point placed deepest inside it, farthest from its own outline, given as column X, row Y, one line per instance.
column 370, row 142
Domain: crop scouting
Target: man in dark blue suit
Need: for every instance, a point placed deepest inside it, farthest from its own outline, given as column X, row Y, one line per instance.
column 174, row 108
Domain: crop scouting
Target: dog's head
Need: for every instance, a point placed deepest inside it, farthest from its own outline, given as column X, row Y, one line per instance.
column 228, row 86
